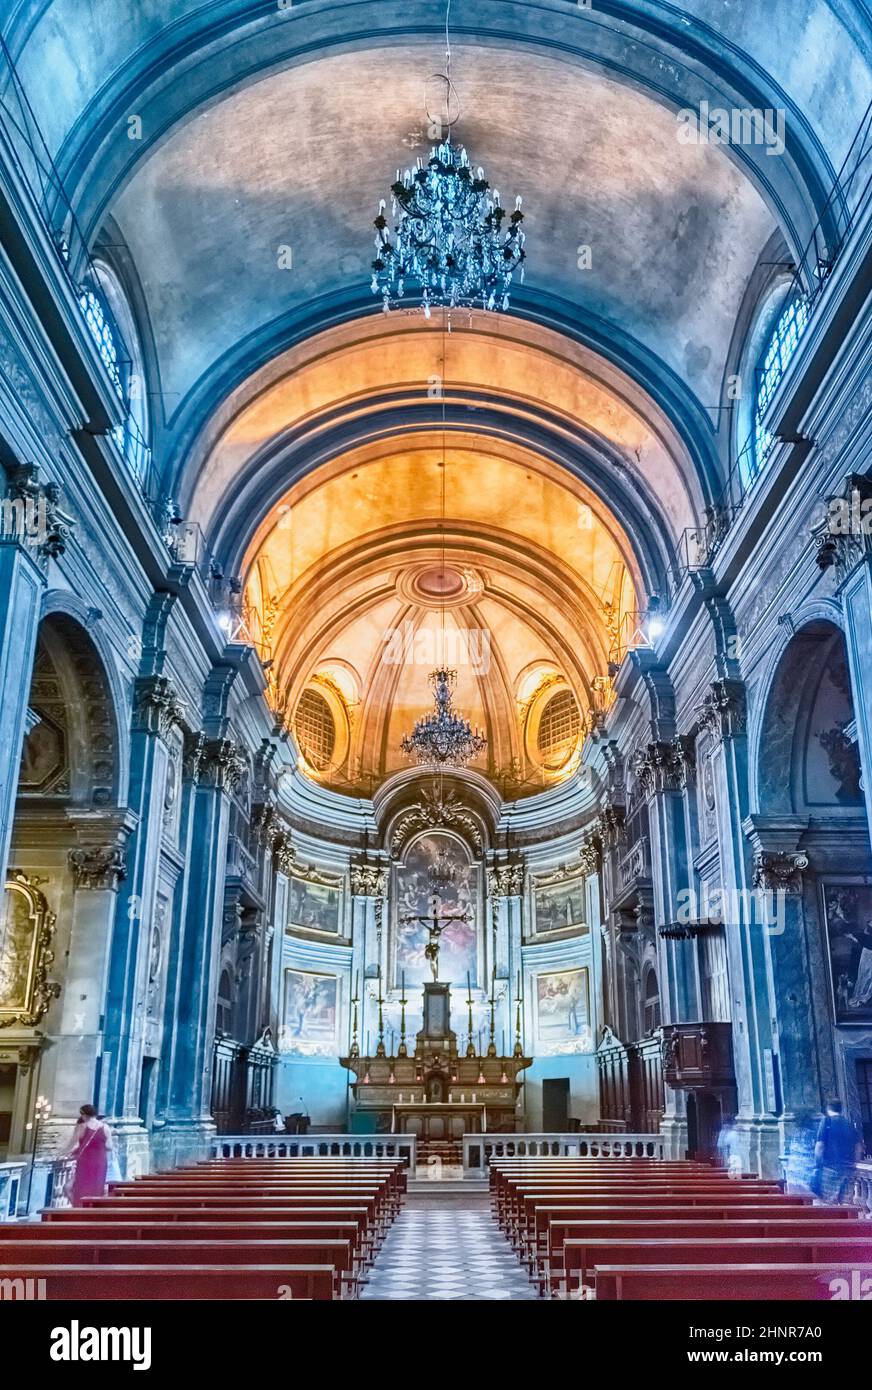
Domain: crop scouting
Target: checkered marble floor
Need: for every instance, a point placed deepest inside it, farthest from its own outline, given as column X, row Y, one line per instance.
column 449, row 1251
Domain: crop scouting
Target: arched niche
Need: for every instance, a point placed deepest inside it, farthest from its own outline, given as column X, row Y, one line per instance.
column 437, row 876
column 808, row 760
column 71, row 753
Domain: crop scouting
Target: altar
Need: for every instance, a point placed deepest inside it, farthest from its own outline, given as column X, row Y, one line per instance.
column 439, row 1120
column 434, row 1092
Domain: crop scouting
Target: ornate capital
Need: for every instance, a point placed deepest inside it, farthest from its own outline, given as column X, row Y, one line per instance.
column 684, row 754
column 663, row 766
column 98, row 866
column 192, row 758
column 505, row 880
column 779, row 871
column 265, row 823
column 283, row 853
column 156, row 705
column 368, row 880
column 591, row 853
column 33, row 514
column 723, row 710
column 844, row 537
column 612, row 823
column 223, row 764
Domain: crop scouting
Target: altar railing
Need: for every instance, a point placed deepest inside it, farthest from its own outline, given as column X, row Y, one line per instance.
column 402, row 1146
column 480, row 1149
column 27, row 1187
column 863, row 1185
column 11, row 1178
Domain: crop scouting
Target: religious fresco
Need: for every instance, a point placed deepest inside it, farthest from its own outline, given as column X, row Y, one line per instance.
column 311, row 1011
column 436, row 861
column 848, row 917
column 317, row 906
column 559, row 905
column 563, row 1009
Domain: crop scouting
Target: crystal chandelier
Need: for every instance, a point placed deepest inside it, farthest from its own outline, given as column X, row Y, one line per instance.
column 451, row 240
column 445, row 738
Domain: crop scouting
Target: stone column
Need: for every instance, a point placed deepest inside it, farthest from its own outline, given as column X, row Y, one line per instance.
column 798, row 1005
column 723, row 713
column 664, row 771
column 98, row 870
column 505, row 883
column 844, row 546
column 21, row 587
column 368, row 888
column 157, row 710
column 188, row 1117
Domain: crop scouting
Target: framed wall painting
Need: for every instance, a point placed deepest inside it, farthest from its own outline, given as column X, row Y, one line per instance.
column 847, row 917
column 562, row 1002
column 310, row 1017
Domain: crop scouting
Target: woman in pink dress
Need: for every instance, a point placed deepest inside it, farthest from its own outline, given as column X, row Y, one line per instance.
column 92, row 1144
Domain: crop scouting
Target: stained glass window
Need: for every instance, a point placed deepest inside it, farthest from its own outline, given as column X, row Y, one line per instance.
column 771, row 368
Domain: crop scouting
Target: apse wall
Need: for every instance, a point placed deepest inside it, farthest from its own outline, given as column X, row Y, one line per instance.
column 341, row 919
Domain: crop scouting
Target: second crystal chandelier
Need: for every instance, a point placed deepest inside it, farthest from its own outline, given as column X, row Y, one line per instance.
column 444, row 738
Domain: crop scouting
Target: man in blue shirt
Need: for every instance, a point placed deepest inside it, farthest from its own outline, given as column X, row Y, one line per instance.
column 837, row 1149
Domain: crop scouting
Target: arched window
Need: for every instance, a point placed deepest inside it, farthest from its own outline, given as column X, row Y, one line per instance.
column 559, row 727
column 103, row 333
column 224, row 1016
column 651, row 1002
column 108, row 316
column 779, row 347
column 315, row 729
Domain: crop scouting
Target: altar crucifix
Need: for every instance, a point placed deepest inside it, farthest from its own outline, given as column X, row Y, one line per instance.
column 436, row 922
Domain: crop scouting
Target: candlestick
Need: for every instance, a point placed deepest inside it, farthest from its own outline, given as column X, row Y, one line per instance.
column 492, row 1047
column 380, row 1045
column 355, row 1050
column 401, row 1050
column 470, row 1050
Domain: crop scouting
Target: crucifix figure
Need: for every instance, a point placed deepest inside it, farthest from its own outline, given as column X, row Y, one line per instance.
column 436, row 922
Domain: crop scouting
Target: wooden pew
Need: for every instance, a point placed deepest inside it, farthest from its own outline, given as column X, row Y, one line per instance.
column 239, row 1217
column 805, row 1222
column 506, row 1198
column 582, row 1256
column 514, row 1205
column 526, row 1223
column 535, row 1249
column 74, row 1282
column 761, row 1281
column 189, row 1252
column 84, row 1234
